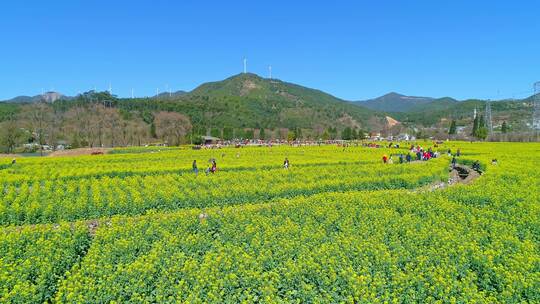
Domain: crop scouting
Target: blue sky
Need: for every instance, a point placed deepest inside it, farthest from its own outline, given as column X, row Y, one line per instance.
column 351, row 49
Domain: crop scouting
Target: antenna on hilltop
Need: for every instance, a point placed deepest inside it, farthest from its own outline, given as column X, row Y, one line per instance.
column 132, row 96
column 270, row 71
column 157, row 92
column 110, row 88
column 245, row 65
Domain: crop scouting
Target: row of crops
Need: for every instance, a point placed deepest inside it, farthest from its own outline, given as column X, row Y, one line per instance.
column 177, row 160
column 89, row 198
column 324, row 231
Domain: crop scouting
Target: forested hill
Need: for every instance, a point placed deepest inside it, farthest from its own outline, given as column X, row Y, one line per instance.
column 242, row 106
column 249, row 101
column 517, row 113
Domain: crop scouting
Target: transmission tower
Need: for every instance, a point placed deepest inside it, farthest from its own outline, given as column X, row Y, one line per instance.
column 536, row 107
column 489, row 122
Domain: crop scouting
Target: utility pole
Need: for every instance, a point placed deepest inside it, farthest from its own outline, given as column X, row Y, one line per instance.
column 489, row 122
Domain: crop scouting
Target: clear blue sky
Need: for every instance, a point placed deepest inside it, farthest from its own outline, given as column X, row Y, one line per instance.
column 351, row 49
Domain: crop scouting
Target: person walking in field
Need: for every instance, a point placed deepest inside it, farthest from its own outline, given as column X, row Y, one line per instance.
column 408, row 158
column 401, row 158
column 476, row 166
column 286, row 163
column 385, row 159
column 458, row 153
column 195, row 168
column 454, row 162
column 214, row 166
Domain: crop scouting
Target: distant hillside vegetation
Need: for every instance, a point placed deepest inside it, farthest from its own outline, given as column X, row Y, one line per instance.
column 250, row 101
column 394, row 102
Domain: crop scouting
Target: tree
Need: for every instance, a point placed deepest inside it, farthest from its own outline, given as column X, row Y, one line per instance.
column 361, row 134
column 10, row 135
column 79, row 122
column 346, row 134
column 482, row 122
column 172, row 126
column 482, row 133
column 479, row 128
column 228, row 133
column 153, row 133
column 239, row 133
column 112, row 122
column 504, row 127
column 354, row 134
column 197, row 140
column 297, row 133
column 283, row 133
column 332, row 132
column 249, row 134
column 215, row 132
column 453, row 128
column 291, row 136
column 38, row 115
column 475, row 126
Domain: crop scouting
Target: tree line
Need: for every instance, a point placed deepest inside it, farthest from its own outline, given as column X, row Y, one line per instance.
column 99, row 119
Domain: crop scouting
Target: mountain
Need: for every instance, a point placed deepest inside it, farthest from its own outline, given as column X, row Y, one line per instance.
column 394, row 102
column 517, row 113
column 47, row 97
column 22, row 99
column 250, row 101
column 434, row 105
column 171, row 94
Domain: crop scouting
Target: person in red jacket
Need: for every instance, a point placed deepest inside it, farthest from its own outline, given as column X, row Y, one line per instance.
column 385, row 159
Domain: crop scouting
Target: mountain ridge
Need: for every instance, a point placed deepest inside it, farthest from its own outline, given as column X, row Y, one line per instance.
column 395, row 102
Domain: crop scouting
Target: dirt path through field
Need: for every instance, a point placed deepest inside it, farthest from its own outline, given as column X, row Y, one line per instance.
column 80, row 151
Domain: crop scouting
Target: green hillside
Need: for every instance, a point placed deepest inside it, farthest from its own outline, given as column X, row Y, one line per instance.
column 247, row 100
column 515, row 112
